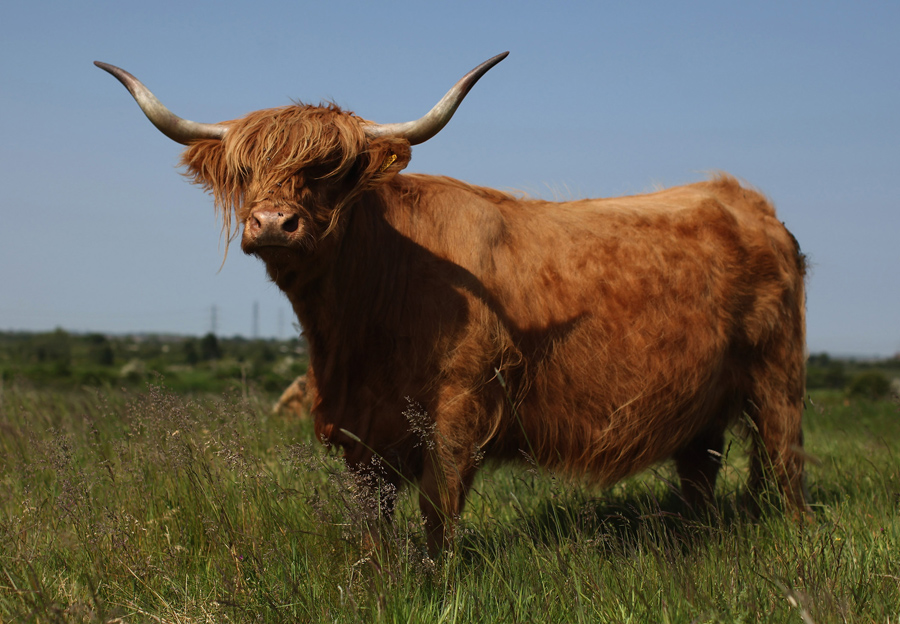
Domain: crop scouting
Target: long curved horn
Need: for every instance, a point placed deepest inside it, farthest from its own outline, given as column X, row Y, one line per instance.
column 170, row 124
column 434, row 121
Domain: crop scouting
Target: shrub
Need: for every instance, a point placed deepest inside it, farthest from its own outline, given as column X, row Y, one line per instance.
column 870, row 384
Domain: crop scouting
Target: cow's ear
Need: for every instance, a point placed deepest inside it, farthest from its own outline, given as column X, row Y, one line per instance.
column 387, row 157
column 205, row 165
column 204, row 162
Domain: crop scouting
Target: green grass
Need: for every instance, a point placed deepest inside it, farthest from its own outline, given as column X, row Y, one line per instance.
column 148, row 506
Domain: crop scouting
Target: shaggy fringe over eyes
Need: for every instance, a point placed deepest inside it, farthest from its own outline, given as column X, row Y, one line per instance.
column 279, row 153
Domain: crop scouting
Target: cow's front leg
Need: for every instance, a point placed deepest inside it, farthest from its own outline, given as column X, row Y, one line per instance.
column 442, row 495
column 375, row 500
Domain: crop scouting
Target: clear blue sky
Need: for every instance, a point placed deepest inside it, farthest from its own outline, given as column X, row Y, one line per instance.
column 100, row 233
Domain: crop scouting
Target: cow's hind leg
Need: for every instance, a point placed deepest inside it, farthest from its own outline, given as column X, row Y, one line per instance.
column 775, row 411
column 698, row 466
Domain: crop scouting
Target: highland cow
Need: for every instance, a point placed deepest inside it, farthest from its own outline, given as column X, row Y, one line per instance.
column 296, row 399
column 597, row 337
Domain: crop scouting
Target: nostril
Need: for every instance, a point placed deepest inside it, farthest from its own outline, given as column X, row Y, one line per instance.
column 254, row 224
column 291, row 224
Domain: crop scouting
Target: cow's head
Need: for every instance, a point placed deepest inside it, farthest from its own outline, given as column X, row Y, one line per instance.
column 286, row 174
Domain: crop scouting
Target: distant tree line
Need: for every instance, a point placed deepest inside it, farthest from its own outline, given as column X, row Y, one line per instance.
column 215, row 363
column 184, row 363
column 871, row 379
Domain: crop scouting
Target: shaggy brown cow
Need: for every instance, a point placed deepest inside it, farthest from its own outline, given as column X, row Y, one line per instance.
column 598, row 337
column 295, row 399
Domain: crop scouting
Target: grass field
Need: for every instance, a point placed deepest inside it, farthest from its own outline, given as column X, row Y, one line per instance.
column 152, row 507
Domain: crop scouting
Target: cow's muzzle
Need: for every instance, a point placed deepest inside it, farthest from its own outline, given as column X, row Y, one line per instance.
column 271, row 228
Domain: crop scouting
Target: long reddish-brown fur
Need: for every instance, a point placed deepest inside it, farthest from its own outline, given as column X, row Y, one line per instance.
column 599, row 336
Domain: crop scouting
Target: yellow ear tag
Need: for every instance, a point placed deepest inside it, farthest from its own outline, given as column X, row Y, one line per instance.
column 387, row 163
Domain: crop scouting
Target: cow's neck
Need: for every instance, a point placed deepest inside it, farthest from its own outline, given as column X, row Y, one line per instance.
column 353, row 309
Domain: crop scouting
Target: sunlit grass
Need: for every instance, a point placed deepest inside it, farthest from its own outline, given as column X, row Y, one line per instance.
column 153, row 507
